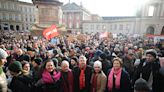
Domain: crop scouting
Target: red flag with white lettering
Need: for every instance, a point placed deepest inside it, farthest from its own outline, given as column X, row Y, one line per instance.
column 50, row 32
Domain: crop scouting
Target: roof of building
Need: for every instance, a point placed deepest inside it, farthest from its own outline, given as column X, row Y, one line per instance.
column 50, row 2
column 74, row 6
column 25, row 3
column 71, row 6
column 117, row 17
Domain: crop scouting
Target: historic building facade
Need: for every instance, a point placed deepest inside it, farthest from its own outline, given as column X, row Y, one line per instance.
column 16, row 15
column 74, row 15
column 148, row 20
column 49, row 11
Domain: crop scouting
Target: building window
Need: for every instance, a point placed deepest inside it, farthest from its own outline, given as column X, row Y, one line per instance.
column 103, row 27
column 6, row 5
column 77, row 25
column 70, row 25
column 0, row 5
column 10, row 16
column 16, row 17
column 70, row 17
column 7, row 16
column 98, row 27
column 92, row 27
column 120, row 27
column 1, row 16
column 151, row 11
column 19, row 17
column 86, row 27
column 127, row 26
column 115, row 27
column 110, row 27
column 13, row 6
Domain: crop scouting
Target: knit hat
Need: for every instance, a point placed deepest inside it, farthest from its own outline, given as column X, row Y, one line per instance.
column 38, row 61
column 141, row 85
column 151, row 52
column 26, row 58
column 15, row 66
column 103, row 56
column 3, row 54
column 75, row 58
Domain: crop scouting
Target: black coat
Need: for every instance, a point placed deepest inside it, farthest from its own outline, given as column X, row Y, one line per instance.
column 88, row 74
column 145, row 69
column 125, row 85
column 20, row 84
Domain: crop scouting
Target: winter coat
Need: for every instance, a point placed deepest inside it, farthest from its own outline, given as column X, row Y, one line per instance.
column 88, row 74
column 145, row 69
column 3, row 83
column 125, row 85
column 20, row 84
column 101, row 81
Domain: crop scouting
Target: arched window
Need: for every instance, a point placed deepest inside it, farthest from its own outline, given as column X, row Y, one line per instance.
column 11, row 27
column 150, row 30
column 17, row 27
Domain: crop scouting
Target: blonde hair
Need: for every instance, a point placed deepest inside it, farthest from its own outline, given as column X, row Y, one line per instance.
column 118, row 59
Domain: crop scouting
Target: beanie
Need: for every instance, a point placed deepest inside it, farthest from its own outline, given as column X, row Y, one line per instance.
column 151, row 52
column 141, row 85
column 15, row 66
column 75, row 58
column 3, row 54
column 103, row 56
column 38, row 61
column 26, row 58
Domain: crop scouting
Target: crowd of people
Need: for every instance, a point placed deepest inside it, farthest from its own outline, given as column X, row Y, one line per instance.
column 120, row 64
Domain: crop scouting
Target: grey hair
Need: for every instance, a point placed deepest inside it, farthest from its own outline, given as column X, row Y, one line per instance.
column 98, row 63
column 82, row 56
column 65, row 62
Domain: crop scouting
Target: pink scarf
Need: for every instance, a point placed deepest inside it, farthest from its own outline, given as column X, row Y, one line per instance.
column 48, row 78
column 117, row 79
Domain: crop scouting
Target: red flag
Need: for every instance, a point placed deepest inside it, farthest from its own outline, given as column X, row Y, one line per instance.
column 50, row 32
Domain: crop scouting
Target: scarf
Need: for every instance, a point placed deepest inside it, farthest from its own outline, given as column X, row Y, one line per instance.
column 68, row 82
column 48, row 78
column 82, row 78
column 94, row 83
column 117, row 79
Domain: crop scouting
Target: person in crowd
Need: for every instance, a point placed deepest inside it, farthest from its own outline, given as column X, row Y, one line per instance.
column 36, row 68
column 128, row 62
column 82, row 75
column 18, row 82
column 106, row 64
column 19, row 55
column 26, row 69
column 149, row 68
column 118, row 79
column 73, row 62
column 3, row 80
column 98, row 79
column 50, row 80
column 141, row 86
column 36, row 74
column 67, row 78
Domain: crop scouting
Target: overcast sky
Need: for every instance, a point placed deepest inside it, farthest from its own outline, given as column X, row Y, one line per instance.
column 108, row 7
